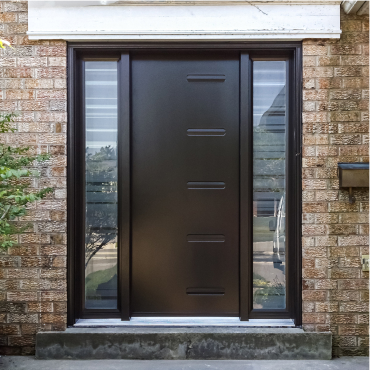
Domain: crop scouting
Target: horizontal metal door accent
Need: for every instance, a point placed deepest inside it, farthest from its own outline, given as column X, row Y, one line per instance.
column 210, row 185
column 206, row 132
column 205, row 77
column 205, row 238
column 204, row 291
column 185, row 252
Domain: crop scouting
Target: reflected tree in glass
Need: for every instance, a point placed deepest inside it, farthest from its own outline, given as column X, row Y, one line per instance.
column 101, row 185
column 100, row 217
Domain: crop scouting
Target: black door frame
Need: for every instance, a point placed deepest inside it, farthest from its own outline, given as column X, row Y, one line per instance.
column 77, row 53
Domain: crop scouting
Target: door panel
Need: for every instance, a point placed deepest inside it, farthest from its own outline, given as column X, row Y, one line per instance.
column 185, row 184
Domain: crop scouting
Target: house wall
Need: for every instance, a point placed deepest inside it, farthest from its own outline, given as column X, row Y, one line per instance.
column 335, row 233
column 33, row 274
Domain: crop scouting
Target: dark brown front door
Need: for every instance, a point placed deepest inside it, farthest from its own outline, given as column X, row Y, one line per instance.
column 185, row 184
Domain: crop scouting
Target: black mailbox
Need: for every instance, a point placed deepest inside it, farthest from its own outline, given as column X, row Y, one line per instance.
column 353, row 175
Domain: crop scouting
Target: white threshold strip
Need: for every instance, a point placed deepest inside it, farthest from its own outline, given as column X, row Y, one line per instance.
column 185, row 322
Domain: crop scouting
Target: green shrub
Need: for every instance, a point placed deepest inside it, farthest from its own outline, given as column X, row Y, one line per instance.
column 15, row 167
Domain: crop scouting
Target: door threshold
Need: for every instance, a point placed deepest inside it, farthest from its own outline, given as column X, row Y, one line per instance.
column 185, row 322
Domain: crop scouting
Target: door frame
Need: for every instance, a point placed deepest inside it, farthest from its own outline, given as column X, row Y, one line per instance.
column 77, row 52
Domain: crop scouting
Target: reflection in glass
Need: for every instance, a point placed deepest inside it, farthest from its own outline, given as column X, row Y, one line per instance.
column 269, row 124
column 101, row 185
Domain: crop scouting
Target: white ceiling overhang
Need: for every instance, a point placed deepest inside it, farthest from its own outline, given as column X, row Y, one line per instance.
column 356, row 7
column 182, row 20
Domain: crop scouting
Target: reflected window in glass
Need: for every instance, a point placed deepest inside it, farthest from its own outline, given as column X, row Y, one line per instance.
column 269, row 184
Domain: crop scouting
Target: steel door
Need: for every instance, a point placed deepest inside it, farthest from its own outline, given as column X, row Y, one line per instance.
column 185, row 184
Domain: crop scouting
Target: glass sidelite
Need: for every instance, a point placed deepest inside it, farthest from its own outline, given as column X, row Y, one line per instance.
column 269, row 184
column 101, row 185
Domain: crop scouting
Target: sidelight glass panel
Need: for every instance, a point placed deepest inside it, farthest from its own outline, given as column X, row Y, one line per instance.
column 269, row 184
column 101, row 185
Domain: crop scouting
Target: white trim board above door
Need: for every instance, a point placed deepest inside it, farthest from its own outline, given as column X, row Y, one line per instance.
column 158, row 20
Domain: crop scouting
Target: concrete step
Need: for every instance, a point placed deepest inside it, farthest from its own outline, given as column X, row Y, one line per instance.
column 149, row 343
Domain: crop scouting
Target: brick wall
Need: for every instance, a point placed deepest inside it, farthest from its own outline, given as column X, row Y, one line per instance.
column 33, row 274
column 335, row 233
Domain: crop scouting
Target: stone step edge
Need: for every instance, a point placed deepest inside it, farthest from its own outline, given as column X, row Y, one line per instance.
column 190, row 343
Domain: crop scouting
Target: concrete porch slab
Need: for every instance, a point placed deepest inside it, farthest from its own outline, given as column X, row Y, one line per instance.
column 30, row 363
column 149, row 343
